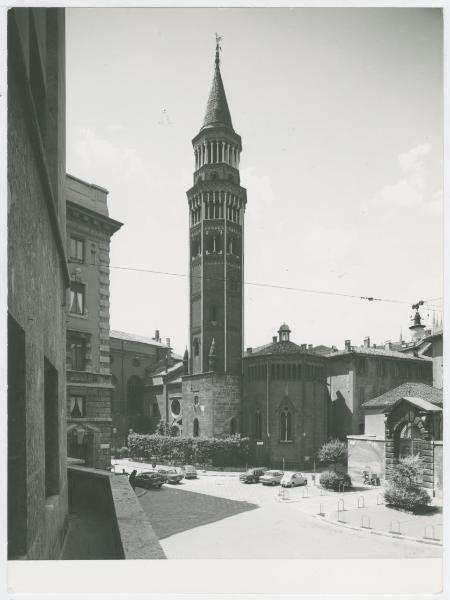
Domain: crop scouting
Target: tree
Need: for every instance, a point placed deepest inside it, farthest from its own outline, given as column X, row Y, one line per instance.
column 402, row 490
column 333, row 452
column 163, row 428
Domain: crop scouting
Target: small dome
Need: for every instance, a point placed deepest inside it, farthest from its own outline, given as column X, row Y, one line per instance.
column 284, row 327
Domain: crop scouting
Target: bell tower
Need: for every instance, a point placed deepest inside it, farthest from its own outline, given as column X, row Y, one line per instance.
column 216, row 233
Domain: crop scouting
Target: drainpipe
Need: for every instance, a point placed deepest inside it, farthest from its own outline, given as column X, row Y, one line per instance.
column 122, row 387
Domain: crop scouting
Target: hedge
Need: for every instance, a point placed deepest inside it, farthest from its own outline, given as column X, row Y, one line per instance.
column 232, row 451
column 333, row 481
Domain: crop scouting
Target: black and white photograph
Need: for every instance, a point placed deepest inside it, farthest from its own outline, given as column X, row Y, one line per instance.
column 224, row 279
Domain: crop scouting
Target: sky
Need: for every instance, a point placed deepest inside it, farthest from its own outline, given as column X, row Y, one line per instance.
column 341, row 117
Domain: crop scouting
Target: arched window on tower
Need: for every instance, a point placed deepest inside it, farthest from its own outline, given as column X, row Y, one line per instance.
column 196, row 428
column 196, row 347
column 230, row 245
column 285, row 426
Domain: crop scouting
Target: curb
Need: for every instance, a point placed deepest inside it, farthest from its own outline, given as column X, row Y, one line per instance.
column 397, row 536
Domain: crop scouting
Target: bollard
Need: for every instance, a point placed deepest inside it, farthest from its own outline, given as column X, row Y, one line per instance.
column 361, row 504
column 380, row 499
column 305, row 492
column 341, row 509
column 427, row 537
column 363, row 518
column 321, row 513
column 397, row 530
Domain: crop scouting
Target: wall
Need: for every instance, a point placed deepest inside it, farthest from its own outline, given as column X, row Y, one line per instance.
column 438, row 468
column 365, row 453
column 305, row 399
column 349, row 388
column 374, row 424
column 129, row 359
column 37, row 280
column 88, row 221
column 438, row 365
column 219, row 400
column 133, row 535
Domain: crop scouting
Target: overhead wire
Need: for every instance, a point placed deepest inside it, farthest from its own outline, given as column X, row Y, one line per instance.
column 275, row 286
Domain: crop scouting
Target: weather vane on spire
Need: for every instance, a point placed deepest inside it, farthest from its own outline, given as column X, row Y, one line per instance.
column 218, row 48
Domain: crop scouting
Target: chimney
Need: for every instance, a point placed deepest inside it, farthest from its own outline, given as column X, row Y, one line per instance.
column 303, row 346
column 274, row 339
column 168, row 342
column 374, row 345
column 388, row 345
column 156, row 338
column 310, row 346
column 334, row 349
column 348, row 345
column 367, row 342
column 249, row 350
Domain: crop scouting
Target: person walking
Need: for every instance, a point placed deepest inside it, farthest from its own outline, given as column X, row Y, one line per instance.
column 132, row 479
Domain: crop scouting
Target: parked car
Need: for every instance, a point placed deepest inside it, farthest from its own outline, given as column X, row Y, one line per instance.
column 252, row 475
column 170, row 474
column 148, row 479
column 190, row 472
column 293, row 479
column 271, row 477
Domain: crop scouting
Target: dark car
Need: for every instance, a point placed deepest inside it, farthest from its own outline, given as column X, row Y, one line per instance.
column 148, row 479
column 252, row 475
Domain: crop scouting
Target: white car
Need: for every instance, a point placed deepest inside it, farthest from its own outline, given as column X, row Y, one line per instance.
column 293, row 479
column 271, row 477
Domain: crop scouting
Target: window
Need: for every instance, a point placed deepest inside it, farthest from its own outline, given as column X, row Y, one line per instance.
column 155, row 409
column 175, row 407
column 362, row 395
column 77, row 347
column 258, row 425
column 77, row 298
column 136, row 362
column 285, row 426
column 233, row 426
column 361, row 366
column 196, row 347
column 360, row 428
column 135, row 393
column 381, row 368
column 196, row 428
column 77, row 407
column 196, row 402
column 51, row 429
column 76, row 249
column 213, row 313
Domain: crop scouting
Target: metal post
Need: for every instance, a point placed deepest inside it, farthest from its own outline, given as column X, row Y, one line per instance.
column 363, row 526
column 380, row 499
column 321, row 513
column 397, row 530
column 433, row 535
column 361, row 503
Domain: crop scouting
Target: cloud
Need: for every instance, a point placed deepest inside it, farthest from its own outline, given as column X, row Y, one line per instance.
column 411, row 189
column 93, row 149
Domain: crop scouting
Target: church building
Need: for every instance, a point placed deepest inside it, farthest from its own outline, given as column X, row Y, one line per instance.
column 212, row 388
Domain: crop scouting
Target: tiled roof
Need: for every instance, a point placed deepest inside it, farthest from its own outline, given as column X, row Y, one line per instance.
column 279, row 348
column 217, row 111
column 376, row 352
column 133, row 337
column 409, row 389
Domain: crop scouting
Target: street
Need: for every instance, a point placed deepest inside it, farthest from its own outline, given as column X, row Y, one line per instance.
column 217, row 516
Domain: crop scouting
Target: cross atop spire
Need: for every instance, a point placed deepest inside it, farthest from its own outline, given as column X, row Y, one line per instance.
column 217, row 111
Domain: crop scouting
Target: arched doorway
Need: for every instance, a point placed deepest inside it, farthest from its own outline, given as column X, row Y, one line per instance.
column 408, row 440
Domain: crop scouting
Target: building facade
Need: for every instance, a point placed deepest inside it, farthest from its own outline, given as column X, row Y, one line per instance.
column 359, row 373
column 38, row 279
column 133, row 360
column 285, row 402
column 89, row 386
column 405, row 421
column 212, row 390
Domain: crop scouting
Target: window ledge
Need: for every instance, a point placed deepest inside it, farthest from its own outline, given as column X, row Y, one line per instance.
column 77, row 316
column 286, row 441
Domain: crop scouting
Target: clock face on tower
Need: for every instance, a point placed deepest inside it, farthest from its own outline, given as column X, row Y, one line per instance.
column 216, row 216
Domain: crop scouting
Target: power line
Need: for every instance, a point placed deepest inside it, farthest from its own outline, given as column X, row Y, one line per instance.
column 273, row 286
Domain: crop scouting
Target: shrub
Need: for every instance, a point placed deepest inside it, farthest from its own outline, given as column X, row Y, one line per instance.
column 232, row 451
column 332, row 480
column 123, row 452
column 408, row 498
column 402, row 490
column 333, row 452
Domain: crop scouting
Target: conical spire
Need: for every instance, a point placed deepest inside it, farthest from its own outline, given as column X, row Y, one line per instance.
column 217, row 111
